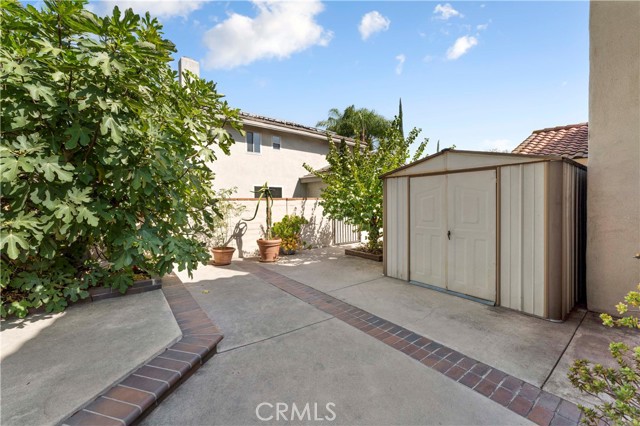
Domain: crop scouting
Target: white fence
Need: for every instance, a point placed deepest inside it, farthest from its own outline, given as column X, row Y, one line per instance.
column 318, row 233
column 344, row 233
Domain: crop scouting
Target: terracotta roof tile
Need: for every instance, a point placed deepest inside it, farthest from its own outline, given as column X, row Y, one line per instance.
column 571, row 141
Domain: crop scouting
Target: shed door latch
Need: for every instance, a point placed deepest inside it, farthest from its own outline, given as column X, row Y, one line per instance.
column 449, row 234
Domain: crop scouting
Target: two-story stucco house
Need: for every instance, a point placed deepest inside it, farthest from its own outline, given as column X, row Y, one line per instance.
column 273, row 151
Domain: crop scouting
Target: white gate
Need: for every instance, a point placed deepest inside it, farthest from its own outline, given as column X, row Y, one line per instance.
column 344, row 233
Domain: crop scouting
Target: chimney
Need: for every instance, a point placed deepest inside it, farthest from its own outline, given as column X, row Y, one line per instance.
column 188, row 64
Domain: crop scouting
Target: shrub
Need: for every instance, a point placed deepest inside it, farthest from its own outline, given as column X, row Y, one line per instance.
column 618, row 388
column 222, row 225
column 288, row 229
column 103, row 157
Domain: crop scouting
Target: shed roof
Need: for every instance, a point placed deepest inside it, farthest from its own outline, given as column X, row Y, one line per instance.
column 449, row 160
column 570, row 141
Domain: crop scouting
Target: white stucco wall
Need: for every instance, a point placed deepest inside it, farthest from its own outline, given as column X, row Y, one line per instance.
column 613, row 190
column 280, row 168
column 317, row 233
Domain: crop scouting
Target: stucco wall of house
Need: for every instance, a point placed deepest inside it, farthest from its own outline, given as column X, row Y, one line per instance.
column 613, row 194
column 280, row 168
column 314, row 189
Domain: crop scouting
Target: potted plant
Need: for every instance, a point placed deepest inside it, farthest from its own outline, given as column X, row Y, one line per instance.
column 269, row 246
column 226, row 210
column 288, row 229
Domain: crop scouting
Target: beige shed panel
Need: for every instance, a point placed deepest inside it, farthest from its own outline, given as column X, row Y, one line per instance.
column 537, row 206
column 396, row 217
column 522, row 238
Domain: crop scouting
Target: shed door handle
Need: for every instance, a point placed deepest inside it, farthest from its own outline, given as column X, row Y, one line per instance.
column 449, row 235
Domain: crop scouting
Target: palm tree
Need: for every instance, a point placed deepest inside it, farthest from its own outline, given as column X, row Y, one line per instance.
column 362, row 123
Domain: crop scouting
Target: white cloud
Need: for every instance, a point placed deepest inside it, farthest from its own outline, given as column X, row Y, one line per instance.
column 371, row 23
column 158, row 8
column 446, row 11
column 461, row 46
column 498, row 145
column 279, row 30
column 482, row 27
column 400, row 58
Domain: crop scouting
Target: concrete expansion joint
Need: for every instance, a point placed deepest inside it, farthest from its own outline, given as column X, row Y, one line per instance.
column 573, row 335
column 356, row 284
column 275, row 336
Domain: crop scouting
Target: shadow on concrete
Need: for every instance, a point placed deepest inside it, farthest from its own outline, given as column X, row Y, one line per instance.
column 55, row 364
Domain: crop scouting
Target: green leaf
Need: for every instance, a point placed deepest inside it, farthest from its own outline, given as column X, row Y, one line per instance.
column 109, row 123
column 86, row 214
column 19, row 120
column 79, row 196
column 9, row 167
column 78, row 134
column 12, row 240
column 26, row 221
column 102, row 59
column 65, row 212
column 50, row 167
column 36, row 91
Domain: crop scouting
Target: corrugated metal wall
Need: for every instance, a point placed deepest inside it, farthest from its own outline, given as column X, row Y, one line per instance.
column 396, row 227
column 522, row 233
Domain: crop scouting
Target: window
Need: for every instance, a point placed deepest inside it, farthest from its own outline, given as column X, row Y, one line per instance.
column 276, row 191
column 276, row 142
column 253, row 142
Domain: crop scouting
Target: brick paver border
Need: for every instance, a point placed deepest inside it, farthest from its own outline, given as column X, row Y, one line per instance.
column 525, row 399
column 141, row 391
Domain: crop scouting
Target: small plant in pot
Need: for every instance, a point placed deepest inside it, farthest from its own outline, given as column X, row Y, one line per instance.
column 269, row 246
column 288, row 229
column 227, row 210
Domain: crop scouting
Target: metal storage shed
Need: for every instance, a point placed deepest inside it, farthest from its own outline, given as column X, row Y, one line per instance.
column 507, row 229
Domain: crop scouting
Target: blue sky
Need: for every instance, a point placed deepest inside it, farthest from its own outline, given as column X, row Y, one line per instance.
column 477, row 74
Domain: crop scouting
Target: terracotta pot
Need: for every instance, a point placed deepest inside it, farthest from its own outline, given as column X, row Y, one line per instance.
column 222, row 255
column 269, row 249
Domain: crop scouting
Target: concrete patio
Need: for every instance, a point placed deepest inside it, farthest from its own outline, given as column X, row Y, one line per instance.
column 52, row 364
column 282, row 346
column 277, row 348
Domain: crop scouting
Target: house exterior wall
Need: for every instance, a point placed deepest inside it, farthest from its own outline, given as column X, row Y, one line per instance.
column 280, row 168
column 314, row 189
column 613, row 193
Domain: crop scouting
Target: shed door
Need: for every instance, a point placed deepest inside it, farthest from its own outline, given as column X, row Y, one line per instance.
column 453, row 232
column 428, row 219
column 471, row 214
